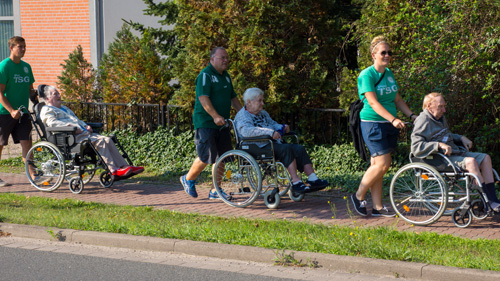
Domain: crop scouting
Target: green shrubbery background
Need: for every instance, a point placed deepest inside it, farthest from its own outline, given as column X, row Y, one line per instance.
column 166, row 153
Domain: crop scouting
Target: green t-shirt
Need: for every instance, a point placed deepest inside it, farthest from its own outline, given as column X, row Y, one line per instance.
column 219, row 88
column 386, row 92
column 17, row 78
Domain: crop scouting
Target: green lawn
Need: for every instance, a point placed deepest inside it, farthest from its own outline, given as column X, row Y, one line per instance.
column 381, row 242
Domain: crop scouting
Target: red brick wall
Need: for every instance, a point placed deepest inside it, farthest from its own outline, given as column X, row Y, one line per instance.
column 53, row 29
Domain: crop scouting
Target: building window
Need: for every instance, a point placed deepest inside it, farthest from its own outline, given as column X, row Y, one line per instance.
column 9, row 24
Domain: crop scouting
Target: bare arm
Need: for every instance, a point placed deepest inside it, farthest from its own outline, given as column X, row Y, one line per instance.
column 209, row 108
column 33, row 94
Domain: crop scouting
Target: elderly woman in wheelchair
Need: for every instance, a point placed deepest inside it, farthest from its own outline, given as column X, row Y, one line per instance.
column 261, row 163
column 441, row 159
column 70, row 146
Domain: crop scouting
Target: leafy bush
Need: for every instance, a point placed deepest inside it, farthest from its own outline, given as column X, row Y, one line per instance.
column 162, row 151
column 449, row 46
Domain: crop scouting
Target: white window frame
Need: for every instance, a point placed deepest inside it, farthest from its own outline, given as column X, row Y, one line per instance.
column 16, row 17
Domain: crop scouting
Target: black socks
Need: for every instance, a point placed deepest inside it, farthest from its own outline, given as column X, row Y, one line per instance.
column 489, row 189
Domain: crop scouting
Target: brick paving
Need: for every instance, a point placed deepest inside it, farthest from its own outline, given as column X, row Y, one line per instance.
column 314, row 208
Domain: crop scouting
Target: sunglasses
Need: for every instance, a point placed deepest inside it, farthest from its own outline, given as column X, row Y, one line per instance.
column 383, row 53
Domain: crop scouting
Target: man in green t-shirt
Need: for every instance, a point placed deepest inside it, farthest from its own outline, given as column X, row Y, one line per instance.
column 16, row 87
column 214, row 97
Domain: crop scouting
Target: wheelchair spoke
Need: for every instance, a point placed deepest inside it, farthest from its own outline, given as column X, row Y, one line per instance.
column 45, row 168
column 237, row 174
column 418, row 194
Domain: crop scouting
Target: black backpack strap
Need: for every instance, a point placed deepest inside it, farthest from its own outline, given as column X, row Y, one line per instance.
column 381, row 77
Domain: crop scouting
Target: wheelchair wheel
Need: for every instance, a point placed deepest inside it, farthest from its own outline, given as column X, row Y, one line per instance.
column 106, row 179
column 237, row 174
column 284, row 179
column 462, row 221
column 418, row 194
column 48, row 165
column 272, row 199
column 76, row 185
column 296, row 197
column 478, row 210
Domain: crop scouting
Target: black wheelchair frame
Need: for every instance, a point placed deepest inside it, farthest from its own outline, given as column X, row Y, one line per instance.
column 57, row 156
column 249, row 171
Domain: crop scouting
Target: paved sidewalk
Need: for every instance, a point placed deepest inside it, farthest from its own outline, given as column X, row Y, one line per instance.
column 315, row 208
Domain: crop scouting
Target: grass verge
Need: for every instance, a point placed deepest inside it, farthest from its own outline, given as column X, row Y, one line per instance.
column 380, row 242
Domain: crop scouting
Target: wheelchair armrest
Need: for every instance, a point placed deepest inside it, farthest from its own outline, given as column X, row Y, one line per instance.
column 257, row 138
column 61, row 129
column 439, row 161
column 95, row 125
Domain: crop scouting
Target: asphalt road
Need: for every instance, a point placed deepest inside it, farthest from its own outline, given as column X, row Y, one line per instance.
column 30, row 259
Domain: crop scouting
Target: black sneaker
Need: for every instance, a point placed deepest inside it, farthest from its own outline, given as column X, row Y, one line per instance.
column 359, row 206
column 384, row 212
column 300, row 188
column 318, row 184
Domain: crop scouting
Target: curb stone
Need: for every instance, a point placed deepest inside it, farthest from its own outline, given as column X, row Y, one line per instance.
column 246, row 253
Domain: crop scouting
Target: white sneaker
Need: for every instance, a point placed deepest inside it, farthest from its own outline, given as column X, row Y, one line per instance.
column 3, row 183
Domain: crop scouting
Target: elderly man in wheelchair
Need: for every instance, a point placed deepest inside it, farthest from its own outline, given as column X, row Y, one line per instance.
column 66, row 131
column 444, row 176
column 252, row 121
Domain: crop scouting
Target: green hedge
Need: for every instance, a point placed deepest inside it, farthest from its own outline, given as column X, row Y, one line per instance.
column 165, row 153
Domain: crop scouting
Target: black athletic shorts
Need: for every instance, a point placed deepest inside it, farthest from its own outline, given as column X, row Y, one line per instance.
column 20, row 129
column 212, row 143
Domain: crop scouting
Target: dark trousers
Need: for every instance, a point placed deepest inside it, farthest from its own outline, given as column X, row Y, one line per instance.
column 286, row 153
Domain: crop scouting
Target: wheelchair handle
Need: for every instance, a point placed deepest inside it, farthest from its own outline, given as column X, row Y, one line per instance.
column 22, row 110
column 227, row 123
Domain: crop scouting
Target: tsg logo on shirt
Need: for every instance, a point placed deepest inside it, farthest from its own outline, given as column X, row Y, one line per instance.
column 214, row 79
column 20, row 79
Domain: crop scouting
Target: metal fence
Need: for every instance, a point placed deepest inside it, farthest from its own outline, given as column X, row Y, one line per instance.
column 321, row 126
column 140, row 117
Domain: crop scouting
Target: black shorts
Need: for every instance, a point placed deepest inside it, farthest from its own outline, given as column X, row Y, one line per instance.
column 212, row 143
column 20, row 129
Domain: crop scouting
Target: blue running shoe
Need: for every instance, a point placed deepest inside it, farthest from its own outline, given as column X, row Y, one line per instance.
column 189, row 186
column 213, row 195
column 301, row 188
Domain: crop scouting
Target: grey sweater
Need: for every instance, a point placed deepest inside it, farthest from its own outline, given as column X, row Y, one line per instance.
column 429, row 132
column 252, row 125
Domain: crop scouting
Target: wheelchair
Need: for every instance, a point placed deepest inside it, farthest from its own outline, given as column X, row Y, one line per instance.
column 58, row 157
column 249, row 171
column 428, row 188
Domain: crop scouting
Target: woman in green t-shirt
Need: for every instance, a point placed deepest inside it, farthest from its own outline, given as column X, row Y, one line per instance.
column 379, row 124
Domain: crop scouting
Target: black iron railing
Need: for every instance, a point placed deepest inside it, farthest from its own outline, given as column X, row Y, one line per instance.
column 318, row 125
column 141, row 117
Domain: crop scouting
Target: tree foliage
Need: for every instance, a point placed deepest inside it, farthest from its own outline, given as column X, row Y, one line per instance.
column 449, row 46
column 133, row 71
column 77, row 78
column 290, row 49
